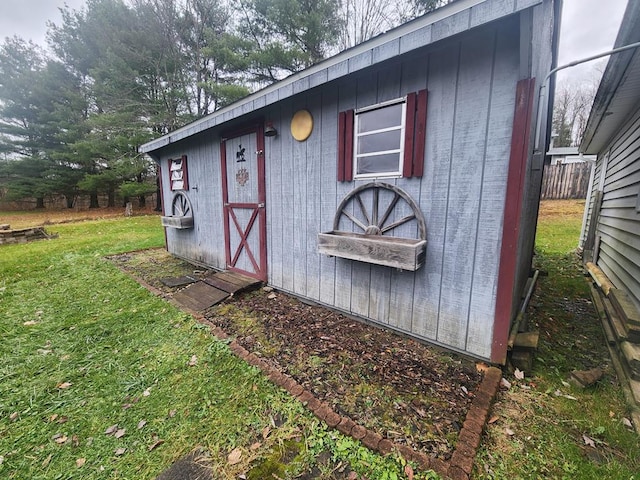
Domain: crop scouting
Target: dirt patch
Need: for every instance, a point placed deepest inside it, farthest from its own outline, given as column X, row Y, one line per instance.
column 404, row 390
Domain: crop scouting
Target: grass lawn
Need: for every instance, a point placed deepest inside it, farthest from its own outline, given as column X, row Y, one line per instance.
column 543, row 427
column 101, row 379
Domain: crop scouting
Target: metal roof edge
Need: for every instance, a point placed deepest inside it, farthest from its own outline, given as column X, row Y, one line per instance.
column 613, row 75
column 305, row 79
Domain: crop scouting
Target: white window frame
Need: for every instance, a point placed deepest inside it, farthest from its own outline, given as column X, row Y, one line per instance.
column 391, row 174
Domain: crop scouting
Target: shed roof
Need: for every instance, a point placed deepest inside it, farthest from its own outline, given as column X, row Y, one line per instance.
column 450, row 20
column 618, row 95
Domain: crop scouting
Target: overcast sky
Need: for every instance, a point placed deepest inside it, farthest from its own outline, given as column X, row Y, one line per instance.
column 588, row 26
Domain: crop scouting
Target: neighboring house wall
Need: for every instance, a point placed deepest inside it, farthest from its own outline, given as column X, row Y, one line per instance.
column 617, row 228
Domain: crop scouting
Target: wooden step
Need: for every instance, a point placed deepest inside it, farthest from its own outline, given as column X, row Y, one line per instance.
column 631, row 358
column 625, row 308
column 617, row 326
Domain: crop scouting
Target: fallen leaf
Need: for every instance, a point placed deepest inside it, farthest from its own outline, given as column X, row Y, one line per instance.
column 80, row 462
column 147, row 392
column 141, row 424
column 271, row 296
column 53, row 417
column 509, row 432
column 493, row 419
column 120, row 433
column 1, row 459
column 408, row 471
column 194, row 361
column 120, row 451
column 482, row 367
column 627, row 422
column 63, row 419
column 504, row 383
column 43, row 351
column 464, row 389
column 566, row 384
column 13, row 416
column 155, row 444
column 30, row 323
column 611, row 414
column 588, row 441
column 75, row 441
column 266, row 431
column 47, row 461
column 64, row 385
column 127, row 406
column 255, row 446
column 65, row 357
column 111, row 429
column 519, row 374
column 235, row 456
column 172, row 413
column 352, row 476
column 60, row 440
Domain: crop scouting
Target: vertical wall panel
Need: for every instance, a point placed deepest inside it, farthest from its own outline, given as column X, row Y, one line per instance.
column 312, row 199
column 493, row 190
column 472, row 108
column 273, row 186
column 328, row 187
column 298, row 184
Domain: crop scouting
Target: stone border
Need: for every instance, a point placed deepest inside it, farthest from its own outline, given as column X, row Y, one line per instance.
column 460, row 465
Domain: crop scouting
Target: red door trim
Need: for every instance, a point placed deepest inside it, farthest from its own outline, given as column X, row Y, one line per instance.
column 259, row 211
column 512, row 214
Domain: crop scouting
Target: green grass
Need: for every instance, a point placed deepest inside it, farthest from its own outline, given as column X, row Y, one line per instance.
column 547, row 428
column 84, row 347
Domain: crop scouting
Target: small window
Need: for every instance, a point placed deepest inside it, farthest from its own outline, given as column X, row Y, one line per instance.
column 379, row 140
column 178, row 173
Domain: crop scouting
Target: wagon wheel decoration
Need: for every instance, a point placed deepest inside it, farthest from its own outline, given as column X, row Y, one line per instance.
column 375, row 221
column 181, row 206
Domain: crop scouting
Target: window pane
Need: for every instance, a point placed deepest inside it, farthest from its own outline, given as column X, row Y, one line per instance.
column 379, row 142
column 385, row 117
column 387, row 163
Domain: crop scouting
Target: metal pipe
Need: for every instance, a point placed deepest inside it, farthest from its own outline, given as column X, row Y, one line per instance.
column 543, row 86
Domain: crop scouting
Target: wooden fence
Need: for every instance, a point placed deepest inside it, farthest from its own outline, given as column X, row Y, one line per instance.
column 569, row 180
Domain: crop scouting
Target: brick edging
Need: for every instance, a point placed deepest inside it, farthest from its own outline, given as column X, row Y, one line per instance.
column 461, row 462
column 460, row 465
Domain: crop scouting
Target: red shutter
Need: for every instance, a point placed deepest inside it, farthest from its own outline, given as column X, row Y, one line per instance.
column 345, row 146
column 185, row 175
column 415, row 134
column 409, row 123
column 420, row 134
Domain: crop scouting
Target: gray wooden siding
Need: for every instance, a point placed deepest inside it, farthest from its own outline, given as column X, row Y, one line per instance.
column 204, row 243
column 451, row 300
column 619, row 222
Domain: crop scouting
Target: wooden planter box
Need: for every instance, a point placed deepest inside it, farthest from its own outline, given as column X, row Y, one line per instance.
column 177, row 222
column 402, row 253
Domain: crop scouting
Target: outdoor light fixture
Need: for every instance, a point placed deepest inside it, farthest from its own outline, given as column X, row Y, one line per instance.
column 269, row 130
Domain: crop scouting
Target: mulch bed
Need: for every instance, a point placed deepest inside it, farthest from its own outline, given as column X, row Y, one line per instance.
column 408, row 392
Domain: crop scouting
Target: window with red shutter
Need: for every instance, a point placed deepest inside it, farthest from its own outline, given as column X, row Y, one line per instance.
column 178, row 179
column 386, row 140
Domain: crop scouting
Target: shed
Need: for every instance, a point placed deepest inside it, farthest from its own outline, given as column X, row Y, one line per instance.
column 395, row 182
column 611, row 230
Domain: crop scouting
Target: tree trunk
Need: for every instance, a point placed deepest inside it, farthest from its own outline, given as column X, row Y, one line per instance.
column 111, row 200
column 69, row 199
column 93, row 200
column 40, row 202
column 142, row 201
column 125, row 201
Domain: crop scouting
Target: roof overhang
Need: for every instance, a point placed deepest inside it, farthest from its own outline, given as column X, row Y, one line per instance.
column 618, row 95
column 445, row 22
